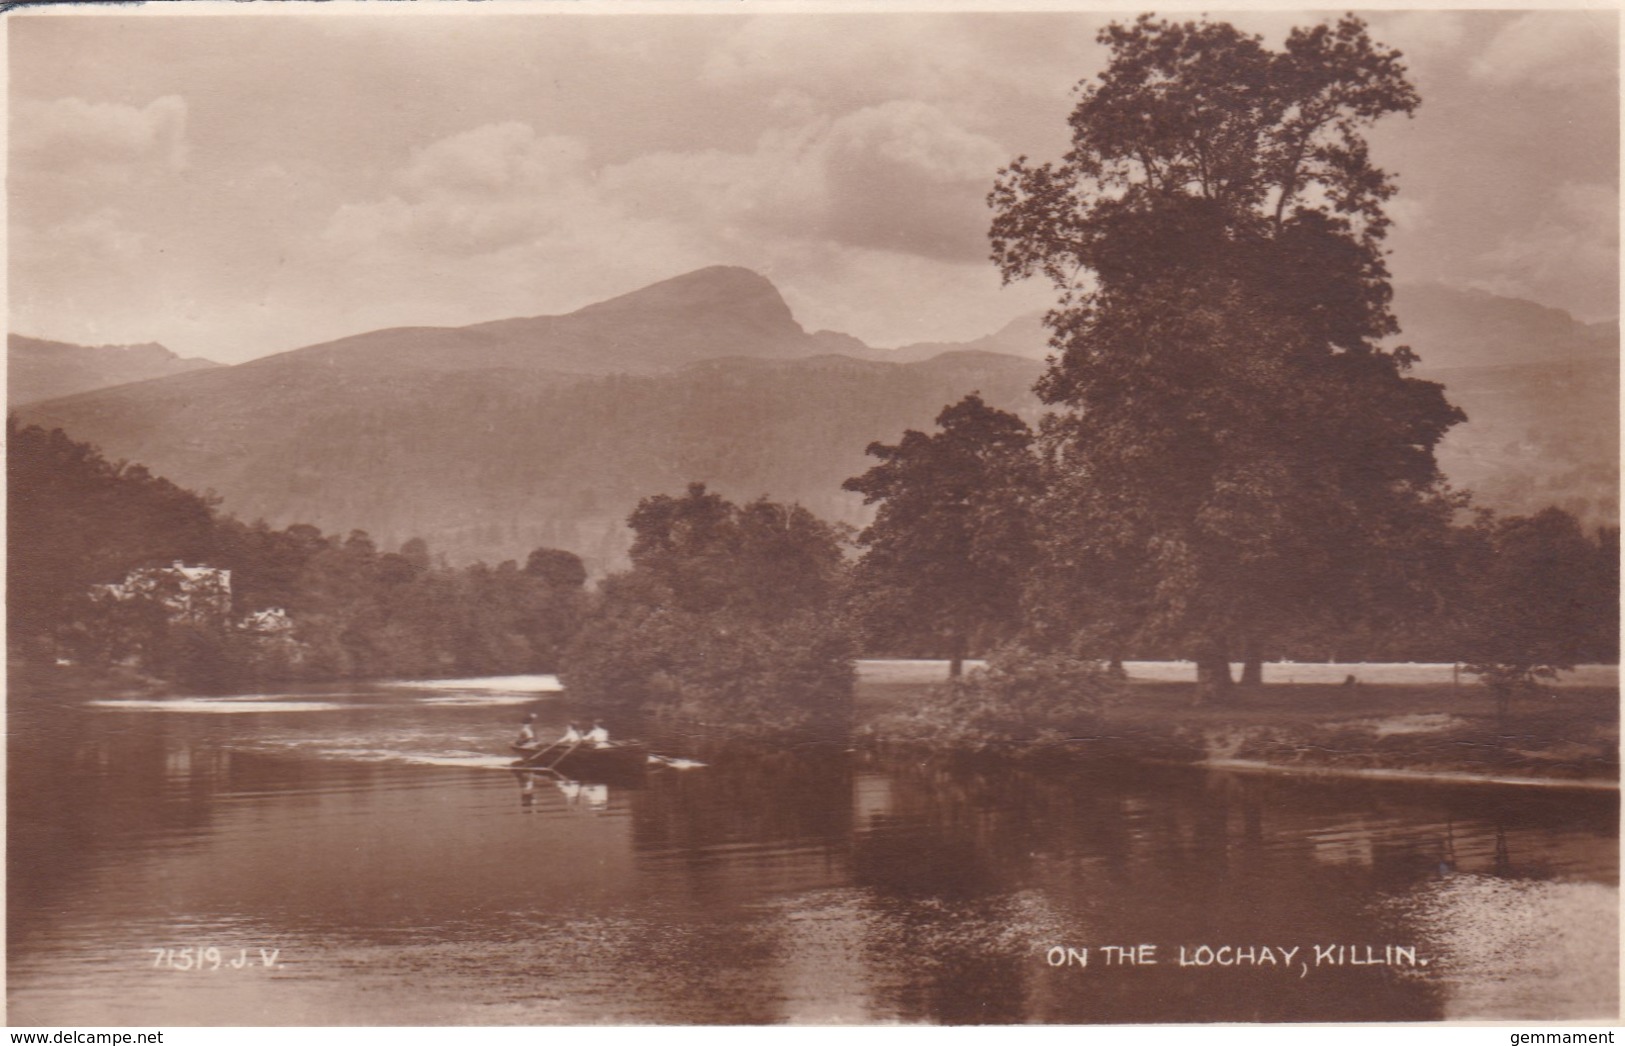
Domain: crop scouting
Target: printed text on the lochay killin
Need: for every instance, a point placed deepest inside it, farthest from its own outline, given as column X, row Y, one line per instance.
column 1297, row 959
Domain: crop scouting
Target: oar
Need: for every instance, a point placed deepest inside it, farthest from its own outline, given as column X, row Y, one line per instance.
column 565, row 756
column 532, row 757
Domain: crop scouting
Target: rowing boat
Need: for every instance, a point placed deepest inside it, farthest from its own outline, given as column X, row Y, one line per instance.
column 619, row 759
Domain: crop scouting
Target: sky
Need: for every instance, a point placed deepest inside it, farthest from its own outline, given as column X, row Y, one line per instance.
column 262, row 177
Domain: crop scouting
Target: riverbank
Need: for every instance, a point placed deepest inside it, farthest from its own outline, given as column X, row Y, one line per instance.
column 1431, row 729
column 44, row 683
column 1398, row 721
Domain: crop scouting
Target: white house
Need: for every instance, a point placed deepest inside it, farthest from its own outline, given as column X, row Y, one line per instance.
column 193, row 595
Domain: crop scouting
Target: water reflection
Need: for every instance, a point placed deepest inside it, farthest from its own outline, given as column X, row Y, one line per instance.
column 590, row 796
column 383, row 853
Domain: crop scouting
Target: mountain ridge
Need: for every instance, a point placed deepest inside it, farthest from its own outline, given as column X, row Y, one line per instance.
column 41, row 369
column 717, row 311
column 493, row 439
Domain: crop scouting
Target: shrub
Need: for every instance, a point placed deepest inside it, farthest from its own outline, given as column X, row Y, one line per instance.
column 660, row 660
column 1021, row 696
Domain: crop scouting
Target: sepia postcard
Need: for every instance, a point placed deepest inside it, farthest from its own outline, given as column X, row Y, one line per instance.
column 801, row 514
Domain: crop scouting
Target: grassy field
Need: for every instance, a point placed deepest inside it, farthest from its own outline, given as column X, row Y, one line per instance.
column 1398, row 718
column 1274, row 672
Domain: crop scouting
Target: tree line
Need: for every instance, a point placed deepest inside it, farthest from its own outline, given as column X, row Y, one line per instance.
column 1236, row 465
column 77, row 521
column 967, row 552
column 749, row 614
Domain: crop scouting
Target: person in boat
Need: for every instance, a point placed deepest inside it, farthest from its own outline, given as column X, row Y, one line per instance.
column 572, row 735
column 598, row 737
column 527, row 732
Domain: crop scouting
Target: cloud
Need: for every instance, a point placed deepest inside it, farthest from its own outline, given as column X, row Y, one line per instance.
column 901, row 176
column 780, row 185
column 983, row 69
column 77, row 169
column 891, row 300
column 1425, row 33
column 70, row 135
column 823, row 56
column 90, row 248
column 494, row 159
column 1552, row 49
column 904, row 177
column 500, row 220
column 476, row 192
column 1409, row 214
column 71, row 279
column 1567, row 257
column 99, row 234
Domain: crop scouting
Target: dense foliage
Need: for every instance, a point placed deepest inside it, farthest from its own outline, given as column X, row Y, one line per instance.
column 948, row 553
column 729, row 613
column 347, row 609
column 1239, row 465
column 73, row 519
column 1539, row 596
column 1234, row 448
column 1021, row 696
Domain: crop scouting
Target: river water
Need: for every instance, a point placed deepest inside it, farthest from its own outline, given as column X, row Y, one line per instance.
column 363, row 856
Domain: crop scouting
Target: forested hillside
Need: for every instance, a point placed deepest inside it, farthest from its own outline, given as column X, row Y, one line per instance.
column 494, row 439
column 1537, row 434
column 344, row 606
column 489, row 464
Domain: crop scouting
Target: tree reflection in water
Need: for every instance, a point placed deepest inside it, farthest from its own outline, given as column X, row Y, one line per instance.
column 779, row 881
column 956, row 876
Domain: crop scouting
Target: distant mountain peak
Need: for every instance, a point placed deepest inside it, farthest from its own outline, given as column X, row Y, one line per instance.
column 726, row 279
column 718, row 311
column 1449, row 327
column 40, row 369
column 146, row 348
column 730, row 290
column 1024, row 336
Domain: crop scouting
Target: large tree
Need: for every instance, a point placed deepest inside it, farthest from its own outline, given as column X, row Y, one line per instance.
column 728, row 614
column 1535, row 589
column 1235, row 445
column 949, row 550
